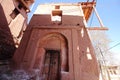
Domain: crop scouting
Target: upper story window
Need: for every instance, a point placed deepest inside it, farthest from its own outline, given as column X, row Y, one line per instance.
column 56, row 15
column 14, row 13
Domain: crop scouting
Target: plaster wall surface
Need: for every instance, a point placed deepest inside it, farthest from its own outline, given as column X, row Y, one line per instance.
column 70, row 37
column 11, row 29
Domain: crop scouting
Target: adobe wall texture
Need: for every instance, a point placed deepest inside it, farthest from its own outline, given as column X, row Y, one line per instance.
column 79, row 48
column 70, row 37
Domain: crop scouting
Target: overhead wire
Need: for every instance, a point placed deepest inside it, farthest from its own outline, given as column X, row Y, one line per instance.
column 113, row 47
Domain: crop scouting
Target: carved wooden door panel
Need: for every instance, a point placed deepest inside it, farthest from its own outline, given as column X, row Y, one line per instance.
column 51, row 70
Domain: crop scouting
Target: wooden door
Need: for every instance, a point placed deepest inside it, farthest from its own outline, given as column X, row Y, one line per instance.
column 51, row 69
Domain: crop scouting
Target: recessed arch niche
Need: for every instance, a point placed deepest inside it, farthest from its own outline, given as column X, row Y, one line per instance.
column 52, row 41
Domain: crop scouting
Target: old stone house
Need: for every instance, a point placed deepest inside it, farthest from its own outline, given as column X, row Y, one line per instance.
column 57, row 43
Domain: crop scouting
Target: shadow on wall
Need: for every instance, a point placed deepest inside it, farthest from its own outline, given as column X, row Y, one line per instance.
column 7, row 46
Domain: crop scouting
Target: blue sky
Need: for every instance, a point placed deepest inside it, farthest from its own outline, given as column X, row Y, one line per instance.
column 109, row 12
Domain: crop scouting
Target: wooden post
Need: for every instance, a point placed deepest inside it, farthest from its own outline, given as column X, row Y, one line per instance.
column 100, row 21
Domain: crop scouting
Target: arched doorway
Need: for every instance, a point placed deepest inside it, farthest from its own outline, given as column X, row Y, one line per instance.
column 52, row 56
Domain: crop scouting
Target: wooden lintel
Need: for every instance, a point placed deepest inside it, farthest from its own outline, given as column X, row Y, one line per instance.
column 87, row 4
column 97, row 28
column 83, row 4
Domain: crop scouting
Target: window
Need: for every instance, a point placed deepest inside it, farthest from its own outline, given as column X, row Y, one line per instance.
column 20, row 6
column 14, row 13
column 57, row 16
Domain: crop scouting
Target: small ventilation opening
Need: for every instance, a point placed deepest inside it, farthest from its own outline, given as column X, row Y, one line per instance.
column 57, row 7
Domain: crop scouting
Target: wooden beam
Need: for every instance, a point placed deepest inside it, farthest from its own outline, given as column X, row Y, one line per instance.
column 97, row 28
column 87, row 8
column 99, row 19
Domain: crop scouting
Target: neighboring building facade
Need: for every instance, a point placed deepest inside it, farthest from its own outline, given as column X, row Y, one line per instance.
column 114, row 72
column 13, row 21
column 57, row 43
column 110, row 72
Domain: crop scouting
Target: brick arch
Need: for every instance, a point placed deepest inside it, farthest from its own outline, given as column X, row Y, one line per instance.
column 53, row 41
